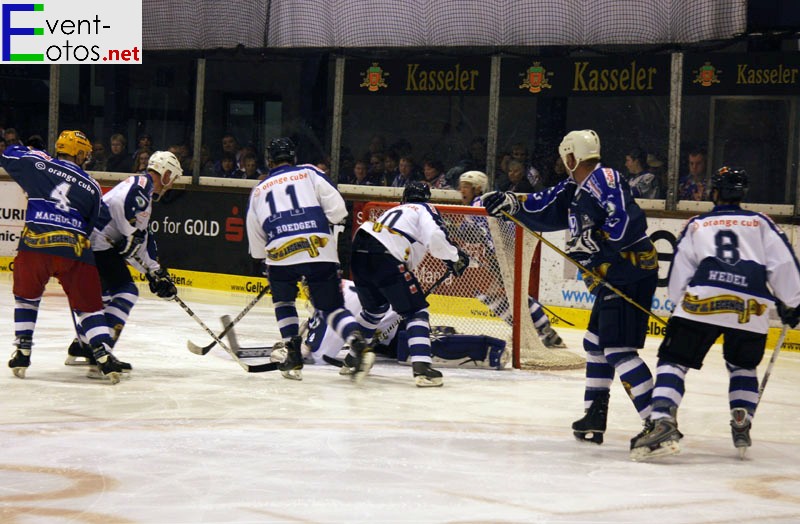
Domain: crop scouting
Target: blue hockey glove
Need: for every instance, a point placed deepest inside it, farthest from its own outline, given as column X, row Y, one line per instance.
column 789, row 315
column 497, row 202
column 161, row 284
column 128, row 246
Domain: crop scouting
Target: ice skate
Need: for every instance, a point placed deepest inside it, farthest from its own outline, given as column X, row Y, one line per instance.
column 425, row 376
column 593, row 424
column 21, row 357
column 550, row 338
column 348, row 365
column 291, row 368
column 362, row 357
column 79, row 355
column 108, row 365
column 740, row 430
column 662, row 440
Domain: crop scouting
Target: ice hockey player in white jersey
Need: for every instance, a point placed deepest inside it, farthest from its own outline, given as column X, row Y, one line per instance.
column 322, row 345
column 385, row 253
column 289, row 225
column 730, row 266
column 472, row 184
column 121, row 237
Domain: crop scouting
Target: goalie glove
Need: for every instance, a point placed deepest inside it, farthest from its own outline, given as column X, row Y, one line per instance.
column 789, row 315
column 498, row 202
column 127, row 246
column 161, row 284
column 459, row 266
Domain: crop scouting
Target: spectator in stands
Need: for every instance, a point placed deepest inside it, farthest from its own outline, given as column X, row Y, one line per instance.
column 140, row 164
column 36, row 142
column 143, row 143
column 558, row 173
column 405, row 172
column 377, row 173
column 644, row 184
column 657, row 166
column 324, row 165
column 184, row 156
column 2, row 143
column 249, row 168
column 694, row 186
column 226, row 167
column 390, row 167
column 474, row 159
column 433, row 174
column 11, row 137
column 206, row 164
column 119, row 161
column 361, row 174
column 99, row 157
column 377, row 144
column 519, row 152
column 501, row 172
column 518, row 182
column 231, row 145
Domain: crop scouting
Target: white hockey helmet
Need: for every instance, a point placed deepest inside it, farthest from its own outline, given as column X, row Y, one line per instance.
column 583, row 145
column 163, row 161
column 477, row 179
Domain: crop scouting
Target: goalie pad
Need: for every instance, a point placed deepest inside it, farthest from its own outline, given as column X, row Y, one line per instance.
column 460, row 351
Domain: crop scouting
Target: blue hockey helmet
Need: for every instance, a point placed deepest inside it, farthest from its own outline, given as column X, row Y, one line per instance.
column 416, row 192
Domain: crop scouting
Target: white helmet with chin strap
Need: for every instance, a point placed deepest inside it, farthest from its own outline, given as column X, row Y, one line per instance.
column 477, row 179
column 584, row 145
column 161, row 162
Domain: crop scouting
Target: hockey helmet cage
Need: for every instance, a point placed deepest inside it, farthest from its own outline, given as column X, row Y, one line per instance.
column 71, row 143
column 281, row 150
column 476, row 179
column 731, row 182
column 583, row 145
column 416, row 192
column 163, row 161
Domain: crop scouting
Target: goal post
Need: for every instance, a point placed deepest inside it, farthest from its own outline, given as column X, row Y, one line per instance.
column 491, row 297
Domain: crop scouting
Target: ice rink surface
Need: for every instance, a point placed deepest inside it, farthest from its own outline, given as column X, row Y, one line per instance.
column 192, row 438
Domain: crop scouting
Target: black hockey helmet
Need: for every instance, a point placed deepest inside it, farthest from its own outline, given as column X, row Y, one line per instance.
column 730, row 182
column 281, row 150
column 416, row 192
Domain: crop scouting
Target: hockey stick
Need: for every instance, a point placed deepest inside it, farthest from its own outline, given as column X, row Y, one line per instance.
column 197, row 350
column 250, row 369
column 772, row 360
column 549, row 312
column 584, row 269
column 380, row 335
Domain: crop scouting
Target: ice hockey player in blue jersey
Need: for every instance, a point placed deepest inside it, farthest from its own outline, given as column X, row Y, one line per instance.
column 385, row 253
column 472, row 184
column 63, row 208
column 608, row 237
column 289, row 224
column 121, row 236
column 730, row 266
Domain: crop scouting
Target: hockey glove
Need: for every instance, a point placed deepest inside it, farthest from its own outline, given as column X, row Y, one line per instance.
column 161, row 284
column 584, row 247
column 459, row 266
column 789, row 315
column 497, row 202
column 128, row 246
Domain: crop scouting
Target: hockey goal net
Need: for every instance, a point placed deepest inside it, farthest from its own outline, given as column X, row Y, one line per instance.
column 491, row 297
